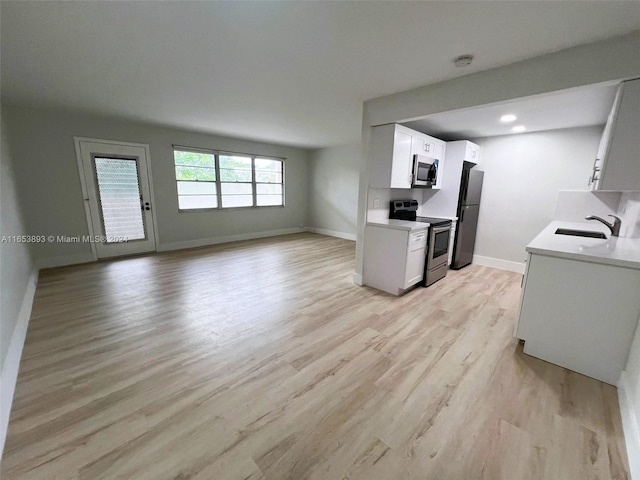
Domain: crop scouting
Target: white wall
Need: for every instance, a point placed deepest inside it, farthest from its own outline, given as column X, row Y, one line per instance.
column 46, row 170
column 16, row 259
column 333, row 190
column 523, row 174
column 18, row 278
column 629, row 213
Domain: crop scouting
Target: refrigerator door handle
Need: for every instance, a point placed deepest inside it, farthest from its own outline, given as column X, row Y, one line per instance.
column 465, row 185
column 462, row 215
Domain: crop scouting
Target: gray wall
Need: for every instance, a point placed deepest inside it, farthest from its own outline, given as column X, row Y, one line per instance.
column 15, row 258
column 47, row 172
column 333, row 188
column 523, row 174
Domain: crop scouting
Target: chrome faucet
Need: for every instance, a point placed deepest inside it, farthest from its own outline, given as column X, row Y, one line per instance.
column 614, row 227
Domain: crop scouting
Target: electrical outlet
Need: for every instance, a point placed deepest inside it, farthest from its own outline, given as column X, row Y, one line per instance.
column 376, row 203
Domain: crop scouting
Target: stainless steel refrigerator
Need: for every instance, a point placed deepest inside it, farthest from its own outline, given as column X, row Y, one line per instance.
column 468, row 210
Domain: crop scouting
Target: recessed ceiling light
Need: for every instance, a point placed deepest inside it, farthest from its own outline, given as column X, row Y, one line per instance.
column 518, row 129
column 508, row 118
column 463, row 60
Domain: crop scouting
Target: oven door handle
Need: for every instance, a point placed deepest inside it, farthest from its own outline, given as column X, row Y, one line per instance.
column 440, row 229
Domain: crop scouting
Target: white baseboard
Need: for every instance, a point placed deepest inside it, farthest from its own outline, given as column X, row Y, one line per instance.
column 499, row 263
column 357, row 279
column 12, row 361
column 630, row 425
column 203, row 242
column 64, row 260
column 332, row 233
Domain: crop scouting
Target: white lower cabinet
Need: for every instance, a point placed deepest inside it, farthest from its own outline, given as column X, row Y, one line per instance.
column 579, row 315
column 394, row 258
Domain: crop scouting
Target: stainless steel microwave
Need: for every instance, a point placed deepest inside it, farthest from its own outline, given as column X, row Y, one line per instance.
column 425, row 171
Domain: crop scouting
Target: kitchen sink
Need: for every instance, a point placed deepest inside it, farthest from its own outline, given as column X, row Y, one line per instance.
column 580, row 233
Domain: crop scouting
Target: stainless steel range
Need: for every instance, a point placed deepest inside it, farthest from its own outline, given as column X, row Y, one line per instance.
column 438, row 243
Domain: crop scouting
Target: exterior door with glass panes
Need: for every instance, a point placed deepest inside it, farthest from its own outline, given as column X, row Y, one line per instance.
column 117, row 196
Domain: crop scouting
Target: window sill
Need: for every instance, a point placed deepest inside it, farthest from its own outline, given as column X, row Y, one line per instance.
column 200, row 210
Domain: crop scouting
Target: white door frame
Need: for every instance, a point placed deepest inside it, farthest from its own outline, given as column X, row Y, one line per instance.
column 85, row 194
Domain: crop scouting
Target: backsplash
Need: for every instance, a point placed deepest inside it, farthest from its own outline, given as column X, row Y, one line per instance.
column 574, row 205
column 384, row 196
column 629, row 213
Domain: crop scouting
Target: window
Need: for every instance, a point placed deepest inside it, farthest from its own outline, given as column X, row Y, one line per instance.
column 196, row 177
column 268, row 182
column 221, row 180
column 236, row 181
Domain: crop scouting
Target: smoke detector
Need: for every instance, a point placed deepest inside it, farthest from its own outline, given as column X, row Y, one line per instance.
column 463, row 60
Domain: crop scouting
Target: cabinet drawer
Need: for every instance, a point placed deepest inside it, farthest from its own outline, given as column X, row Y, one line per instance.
column 418, row 239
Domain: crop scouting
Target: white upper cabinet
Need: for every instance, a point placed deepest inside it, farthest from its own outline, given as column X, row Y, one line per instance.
column 428, row 146
column 417, row 145
column 391, row 157
column 392, row 149
column 424, row 145
column 617, row 165
column 432, row 147
column 472, row 153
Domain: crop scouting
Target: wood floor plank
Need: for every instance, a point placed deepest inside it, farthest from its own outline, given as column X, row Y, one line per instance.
column 261, row 360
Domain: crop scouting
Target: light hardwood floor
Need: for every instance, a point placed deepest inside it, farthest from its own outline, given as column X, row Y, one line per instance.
column 261, row 360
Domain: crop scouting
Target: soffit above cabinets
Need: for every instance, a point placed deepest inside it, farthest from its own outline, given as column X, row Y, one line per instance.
column 566, row 109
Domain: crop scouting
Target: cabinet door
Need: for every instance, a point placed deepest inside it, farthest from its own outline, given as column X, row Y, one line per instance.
column 440, row 150
column 417, row 145
column 605, row 142
column 430, row 148
column 518, row 333
column 425, row 145
column 416, row 256
column 621, row 166
column 390, row 159
column 385, row 257
column 401, row 164
column 580, row 315
column 472, row 152
column 439, row 154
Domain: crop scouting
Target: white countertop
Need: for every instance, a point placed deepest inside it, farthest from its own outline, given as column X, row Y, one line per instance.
column 399, row 224
column 620, row 251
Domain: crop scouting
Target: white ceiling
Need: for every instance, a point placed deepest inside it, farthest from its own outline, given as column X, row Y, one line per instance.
column 294, row 73
column 573, row 108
